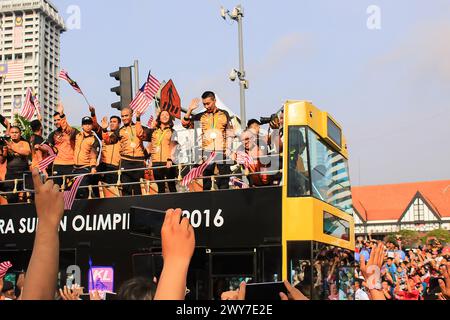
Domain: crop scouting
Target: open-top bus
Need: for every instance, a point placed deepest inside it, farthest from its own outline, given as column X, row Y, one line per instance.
column 301, row 230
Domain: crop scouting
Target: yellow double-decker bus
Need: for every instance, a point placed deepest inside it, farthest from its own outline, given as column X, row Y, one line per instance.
column 300, row 229
column 317, row 224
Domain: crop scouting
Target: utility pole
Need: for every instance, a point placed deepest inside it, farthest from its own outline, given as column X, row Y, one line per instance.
column 136, row 77
column 237, row 15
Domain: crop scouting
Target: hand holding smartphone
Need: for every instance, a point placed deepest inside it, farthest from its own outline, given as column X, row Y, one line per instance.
column 146, row 222
column 265, row 291
column 28, row 184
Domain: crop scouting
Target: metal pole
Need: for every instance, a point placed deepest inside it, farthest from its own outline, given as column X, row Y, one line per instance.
column 241, row 65
column 136, row 77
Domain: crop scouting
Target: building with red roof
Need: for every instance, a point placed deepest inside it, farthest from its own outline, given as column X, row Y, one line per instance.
column 384, row 209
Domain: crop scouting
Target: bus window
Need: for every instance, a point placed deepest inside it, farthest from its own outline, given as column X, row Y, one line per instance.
column 298, row 174
column 330, row 176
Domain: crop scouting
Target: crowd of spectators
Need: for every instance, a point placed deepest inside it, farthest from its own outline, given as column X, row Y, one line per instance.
column 417, row 273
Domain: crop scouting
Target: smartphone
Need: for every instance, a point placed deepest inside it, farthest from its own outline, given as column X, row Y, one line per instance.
column 85, row 296
column 265, row 291
column 110, row 296
column 28, row 184
column 146, row 222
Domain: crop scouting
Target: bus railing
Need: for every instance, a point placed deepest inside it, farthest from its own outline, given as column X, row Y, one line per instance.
column 143, row 182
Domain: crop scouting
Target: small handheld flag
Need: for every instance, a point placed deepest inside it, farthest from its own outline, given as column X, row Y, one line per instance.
column 145, row 95
column 43, row 164
column 65, row 76
column 4, row 267
column 69, row 196
column 198, row 172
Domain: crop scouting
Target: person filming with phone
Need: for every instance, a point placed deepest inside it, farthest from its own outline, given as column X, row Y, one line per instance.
column 15, row 152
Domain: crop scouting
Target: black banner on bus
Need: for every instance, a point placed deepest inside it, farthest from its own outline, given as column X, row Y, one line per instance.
column 222, row 219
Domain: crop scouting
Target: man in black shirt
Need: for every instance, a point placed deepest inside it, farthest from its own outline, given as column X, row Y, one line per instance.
column 15, row 153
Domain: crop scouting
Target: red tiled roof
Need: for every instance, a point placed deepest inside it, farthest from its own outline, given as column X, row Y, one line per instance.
column 389, row 202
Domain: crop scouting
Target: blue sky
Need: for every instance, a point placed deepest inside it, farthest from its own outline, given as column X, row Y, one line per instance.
column 389, row 88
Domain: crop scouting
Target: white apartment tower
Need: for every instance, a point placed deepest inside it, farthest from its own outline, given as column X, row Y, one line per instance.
column 29, row 56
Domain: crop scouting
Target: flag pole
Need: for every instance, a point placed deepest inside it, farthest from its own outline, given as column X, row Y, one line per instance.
column 86, row 100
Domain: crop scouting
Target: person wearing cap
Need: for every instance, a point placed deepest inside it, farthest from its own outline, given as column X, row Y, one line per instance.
column 254, row 126
column 63, row 139
column 132, row 152
column 217, row 136
column 87, row 148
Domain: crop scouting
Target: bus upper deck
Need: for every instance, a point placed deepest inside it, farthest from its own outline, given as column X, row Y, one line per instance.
column 275, row 230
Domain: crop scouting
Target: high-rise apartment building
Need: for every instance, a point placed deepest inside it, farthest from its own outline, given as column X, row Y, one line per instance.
column 30, row 33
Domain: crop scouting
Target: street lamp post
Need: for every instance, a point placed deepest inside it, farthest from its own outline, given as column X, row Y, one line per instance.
column 237, row 15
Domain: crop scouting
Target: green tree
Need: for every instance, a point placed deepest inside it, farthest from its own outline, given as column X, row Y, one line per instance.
column 410, row 239
column 441, row 234
column 390, row 238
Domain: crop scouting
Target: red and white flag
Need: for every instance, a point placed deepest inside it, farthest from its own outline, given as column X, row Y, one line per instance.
column 65, row 76
column 69, row 196
column 198, row 172
column 28, row 108
column 145, row 95
column 15, row 70
column 43, row 164
column 245, row 159
column 4, row 267
column 238, row 183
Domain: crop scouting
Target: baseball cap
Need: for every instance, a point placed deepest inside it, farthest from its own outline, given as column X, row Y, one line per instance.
column 253, row 121
column 87, row 120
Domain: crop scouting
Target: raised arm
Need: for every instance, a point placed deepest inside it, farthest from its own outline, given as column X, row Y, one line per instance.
column 140, row 132
column 40, row 282
column 372, row 271
column 4, row 122
column 96, row 127
column 178, row 244
column 187, row 122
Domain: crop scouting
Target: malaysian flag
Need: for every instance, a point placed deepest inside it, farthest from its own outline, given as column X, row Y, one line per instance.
column 238, row 183
column 245, row 159
column 15, row 71
column 4, row 267
column 65, row 76
column 197, row 172
column 43, row 165
column 145, row 95
column 69, row 196
column 28, row 108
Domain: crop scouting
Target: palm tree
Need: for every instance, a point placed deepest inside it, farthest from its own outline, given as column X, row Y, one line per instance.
column 24, row 125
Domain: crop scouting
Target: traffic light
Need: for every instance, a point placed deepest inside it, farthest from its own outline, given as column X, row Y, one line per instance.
column 125, row 89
